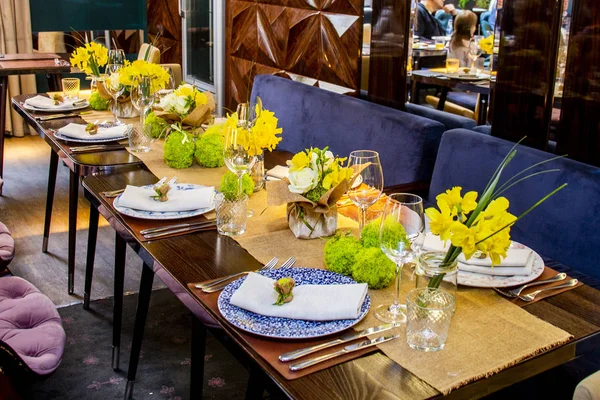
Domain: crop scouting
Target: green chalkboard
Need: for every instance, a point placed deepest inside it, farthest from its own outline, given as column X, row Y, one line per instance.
column 87, row 15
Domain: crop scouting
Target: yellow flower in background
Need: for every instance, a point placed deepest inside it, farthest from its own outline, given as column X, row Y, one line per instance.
column 487, row 45
column 131, row 72
column 440, row 221
column 89, row 58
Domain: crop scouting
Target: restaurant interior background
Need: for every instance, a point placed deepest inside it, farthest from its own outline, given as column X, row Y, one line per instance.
column 359, row 47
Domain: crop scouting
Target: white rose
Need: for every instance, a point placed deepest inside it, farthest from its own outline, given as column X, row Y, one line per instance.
column 166, row 103
column 302, row 181
column 329, row 158
column 181, row 106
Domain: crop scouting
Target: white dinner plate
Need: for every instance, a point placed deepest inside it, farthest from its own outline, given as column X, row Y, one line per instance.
column 56, row 110
column 163, row 215
column 89, row 141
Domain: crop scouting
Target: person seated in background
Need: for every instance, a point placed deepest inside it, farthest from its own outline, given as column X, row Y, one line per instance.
column 488, row 19
column 464, row 29
column 427, row 24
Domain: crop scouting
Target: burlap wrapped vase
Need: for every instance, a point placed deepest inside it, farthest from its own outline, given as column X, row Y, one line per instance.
column 197, row 117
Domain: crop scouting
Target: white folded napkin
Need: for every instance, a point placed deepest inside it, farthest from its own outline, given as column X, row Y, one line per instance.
column 139, row 198
column 48, row 104
column 311, row 302
column 517, row 261
column 77, row 131
column 278, row 172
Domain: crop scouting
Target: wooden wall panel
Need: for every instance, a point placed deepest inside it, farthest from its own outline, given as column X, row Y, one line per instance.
column 308, row 40
column 164, row 29
column 579, row 129
column 526, row 67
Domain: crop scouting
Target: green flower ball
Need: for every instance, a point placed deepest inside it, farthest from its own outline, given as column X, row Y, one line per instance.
column 394, row 232
column 98, row 103
column 155, row 126
column 374, row 268
column 209, row 148
column 229, row 185
column 340, row 253
column 178, row 154
column 369, row 236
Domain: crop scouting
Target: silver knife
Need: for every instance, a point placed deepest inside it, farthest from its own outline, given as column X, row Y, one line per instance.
column 345, row 350
column 186, row 229
column 292, row 355
column 51, row 117
column 177, row 226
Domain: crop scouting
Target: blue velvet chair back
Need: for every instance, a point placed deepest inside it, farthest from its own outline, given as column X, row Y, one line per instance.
column 313, row 117
column 564, row 228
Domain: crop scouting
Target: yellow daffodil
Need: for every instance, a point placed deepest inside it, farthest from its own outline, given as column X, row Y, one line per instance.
column 89, row 58
column 299, row 161
column 131, row 72
column 458, row 205
column 463, row 237
column 440, row 220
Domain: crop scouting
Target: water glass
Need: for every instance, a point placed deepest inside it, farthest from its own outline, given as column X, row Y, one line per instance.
column 452, row 65
column 139, row 142
column 70, row 88
column 367, row 186
column 429, row 312
column 440, row 42
column 231, row 214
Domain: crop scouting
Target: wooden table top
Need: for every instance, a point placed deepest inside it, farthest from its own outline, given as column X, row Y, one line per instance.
column 84, row 162
column 435, row 78
column 206, row 255
column 39, row 66
column 29, row 56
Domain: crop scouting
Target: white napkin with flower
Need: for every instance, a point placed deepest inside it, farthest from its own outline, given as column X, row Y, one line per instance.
column 311, row 302
column 139, row 198
column 47, row 103
column 278, row 172
column 517, row 261
column 77, row 131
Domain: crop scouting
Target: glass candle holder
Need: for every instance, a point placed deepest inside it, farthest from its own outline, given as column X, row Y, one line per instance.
column 428, row 316
column 231, row 215
column 70, row 87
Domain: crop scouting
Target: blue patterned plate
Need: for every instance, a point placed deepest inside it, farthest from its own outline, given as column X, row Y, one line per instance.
column 285, row 328
column 163, row 215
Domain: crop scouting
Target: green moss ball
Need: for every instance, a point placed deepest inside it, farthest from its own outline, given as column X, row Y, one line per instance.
column 98, row 103
column 229, row 185
column 340, row 253
column 209, row 150
column 155, row 126
column 179, row 154
column 394, row 232
column 373, row 268
column 369, row 237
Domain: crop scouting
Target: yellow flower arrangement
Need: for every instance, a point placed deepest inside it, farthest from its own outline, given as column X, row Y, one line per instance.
column 487, row 44
column 131, row 72
column 183, row 100
column 262, row 135
column 482, row 226
column 89, row 58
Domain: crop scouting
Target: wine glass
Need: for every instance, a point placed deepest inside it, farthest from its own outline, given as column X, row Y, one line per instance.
column 368, row 182
column 474, row 52
column 245, row 114
column 114, row 88
column 401, row 236
column 143, row 99
column 116, row 56
column 236, row 156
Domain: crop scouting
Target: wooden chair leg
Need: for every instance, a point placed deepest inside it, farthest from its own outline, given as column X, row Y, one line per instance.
column 197, row 361
column 138, row 329
column 91, row 255
column 52, row 168
column 256, row 386
column 120, row 253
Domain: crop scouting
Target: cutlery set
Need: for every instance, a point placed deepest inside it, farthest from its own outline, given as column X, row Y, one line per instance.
column 96, row 148
column 516, row 292
column 60, row 116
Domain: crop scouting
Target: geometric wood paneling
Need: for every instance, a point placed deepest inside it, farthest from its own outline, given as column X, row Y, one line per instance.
column 164, row 29
column 317, row 39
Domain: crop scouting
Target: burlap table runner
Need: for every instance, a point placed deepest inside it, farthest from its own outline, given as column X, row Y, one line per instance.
column 487, row 334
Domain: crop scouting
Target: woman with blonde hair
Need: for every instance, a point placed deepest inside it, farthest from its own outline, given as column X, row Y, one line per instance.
column 464, row 29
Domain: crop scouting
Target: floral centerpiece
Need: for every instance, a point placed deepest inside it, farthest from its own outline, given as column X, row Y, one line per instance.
column 479, row 227
column 187, row 106
column 316, row 181
column 89, row 58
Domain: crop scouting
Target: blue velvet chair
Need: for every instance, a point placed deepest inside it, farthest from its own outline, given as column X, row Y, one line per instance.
column 564, row 228
column 315, row 117
column 485, row 129
column 450, row 121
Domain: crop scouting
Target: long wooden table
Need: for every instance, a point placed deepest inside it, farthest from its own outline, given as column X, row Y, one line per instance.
column 23, row 64
column 206, row 255
column 79, row 164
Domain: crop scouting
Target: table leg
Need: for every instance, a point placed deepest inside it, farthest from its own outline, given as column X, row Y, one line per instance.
column 483, row 106
column 91, row 255
column 138, row 329
column 414, row 92
column 73, row 198
column 120, row 251
column 52, row 168
column 198, row 350
column 3, row 97
column 443, row 97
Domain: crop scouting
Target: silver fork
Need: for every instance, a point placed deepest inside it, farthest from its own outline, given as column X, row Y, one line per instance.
column 514, row 293
column 266, row 267
column 215, row 288
column 531, row 296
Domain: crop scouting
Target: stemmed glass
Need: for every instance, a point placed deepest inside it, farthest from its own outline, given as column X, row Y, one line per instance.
column 114, row 88
column 368, row 182
column 236, row 156
column 245, row 114
column 401, row 236
column 116, row 56
column 143, row 99
column 474, row 52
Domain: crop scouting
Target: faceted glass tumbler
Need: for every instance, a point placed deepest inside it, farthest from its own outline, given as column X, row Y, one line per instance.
column 428, row 316
column 138, row 141
column 231, row 215
column 70, row 87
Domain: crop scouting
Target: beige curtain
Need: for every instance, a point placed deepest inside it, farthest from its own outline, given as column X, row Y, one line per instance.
column 15, row 37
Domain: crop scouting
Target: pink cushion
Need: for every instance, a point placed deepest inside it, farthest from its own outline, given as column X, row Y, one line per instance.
column 7, row 246
column 30, row 325
column 184, row 296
